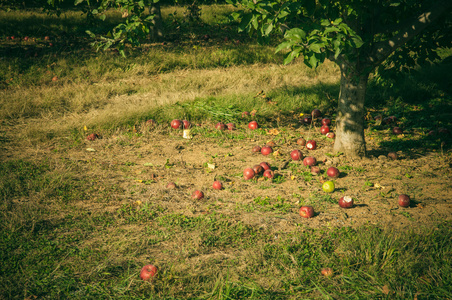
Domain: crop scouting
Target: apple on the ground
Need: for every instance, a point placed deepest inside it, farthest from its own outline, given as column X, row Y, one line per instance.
column 176, row 123
column 197, row 195
column 253, row 125
column 148, row 272
column 266, row 150
column 404, row 200
column 296, row 154
column 324, row 129
column 269, row 174
column 309, row 161
column 306, row 211
column 217, row 185
column 311, row 145
column 333, row 172
column 346, row 202
column 248, row 173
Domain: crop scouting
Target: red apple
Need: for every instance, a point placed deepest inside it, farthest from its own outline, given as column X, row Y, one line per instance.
column 253, row 125
column 316, row 113
column 187, row 124
column 265, row 165
column 197, row 195
column 306, row 211
column 397, row 130
column 176, row 124
column 309, row 161
column 231, row 126
column 217, row 185
column 171, row 185
column 330, row 135
column 315, row 170
column 346, row 202
column 148, row 272
column 26, row 38
column 92, row 137
column 332, row 172
column 220, row 126
column 258, row 169
column 269, row 174
column 55, row 78
column 326, row 121
column 404, row 200
column 324, row 129
column 307, row 120
column 327, row 272
column 301, row 142
column 296, row 154
column 248, row 173
column 266, row 150
column 46, row 38
column 311, row 145
column 257, row 148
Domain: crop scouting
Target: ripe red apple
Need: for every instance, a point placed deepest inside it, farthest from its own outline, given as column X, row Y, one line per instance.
column 253, row 125
column 327, row 272
column 392, row 155
column 26, row 38
column 296, row 154
column 176, row 124
column 316, row 113
column 231, row 126
column 258, row 169
column 217, row 185
column 332, row 172
column 315, row 170
column 265, row 165
column 307, row 120
column 311, row 145
column 186, row 123
column 404, row 200
column 248, row 173
column 346, row 202
column 324, row 129
column 92, row 137
column 171, row 185
column 306, row 211
column 266, row 150
column 257, row 148
column 220, row 126
column 197, row 195
column 269, row 174
column 330, row 135
column 148, row 272
column 55, row 78
column 397, row 130
column 326, row 121
column 301, row 142
column 309, row 161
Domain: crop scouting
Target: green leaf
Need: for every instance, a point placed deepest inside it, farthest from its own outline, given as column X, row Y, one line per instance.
column 283, row 45
column 315, row 47
column 269, row 29
column 77, row 2
column 245, row 22
column 295, row 33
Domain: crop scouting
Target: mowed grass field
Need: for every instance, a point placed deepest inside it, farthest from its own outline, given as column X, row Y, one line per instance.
column 79, row 219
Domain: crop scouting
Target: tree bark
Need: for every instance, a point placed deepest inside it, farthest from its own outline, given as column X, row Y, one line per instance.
column 350, row 118
column 157, row 32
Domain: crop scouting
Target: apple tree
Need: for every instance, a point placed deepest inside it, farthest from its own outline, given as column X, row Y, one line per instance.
column 360, row 36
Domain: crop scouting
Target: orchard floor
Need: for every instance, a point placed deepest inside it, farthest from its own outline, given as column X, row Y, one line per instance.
column 139, row 166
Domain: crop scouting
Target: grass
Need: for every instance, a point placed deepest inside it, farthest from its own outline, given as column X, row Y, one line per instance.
column 82, row 225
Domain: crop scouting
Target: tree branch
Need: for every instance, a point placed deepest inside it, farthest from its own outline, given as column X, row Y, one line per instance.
column 381, row 50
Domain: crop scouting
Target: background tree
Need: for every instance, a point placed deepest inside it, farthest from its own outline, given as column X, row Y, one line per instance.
column 359, row 36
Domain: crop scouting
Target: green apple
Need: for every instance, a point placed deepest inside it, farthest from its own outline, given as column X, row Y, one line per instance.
column 328, row 187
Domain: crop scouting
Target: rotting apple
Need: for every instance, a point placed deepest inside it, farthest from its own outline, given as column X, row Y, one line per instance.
column 269, row 174
column 220, row 126
column 311, row 145
column 333, row 172
column 171, row 185
column 316, row 113
column 392, row 155
column 330, row 135
column 296, row 154
column 248, row 173
column 326, row 121
column 309, row 161
column 315, row 170
column 256, row 148
column 327, row 272
column 301, row 142
column 253, row 125
column 187, row 124
column 92, row 137
column 197, row 195
column 324, row 129
column 266, row 150
column 258, row 169
column 271, row 143
column 148, row 272
column 346, row 202
column 265, row 165
column 404, row 200
column 307, row 120
column 231, row 126
column 306, row 211
column 217, row 185
column 176, row 124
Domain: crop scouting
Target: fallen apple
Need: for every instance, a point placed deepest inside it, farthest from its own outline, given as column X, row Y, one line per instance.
column 328, row 186
column 330, row 135
column 176, row 124
column 197, row 195
column 326, row 121
column 333, row 172
column 148, row 272
column 269, row 174
column 266, row 150
column 258, row 169
column 256, row 148
column 231, row 126
column 316, row 113
column 253, row 125
column 327, row 272
column 301, row 142
column 309, row 161
column 171, row 185
column 92, row 137
column 404, row 200
column 187, row 124
column 346, row 202
column 217, row 185
column 248, row 173
column 296, row 154
column 307, row 120
column 397, row 130
column 151, row 123
column 245, row 114
column 324, row 129
column 220, row 126
column 306, row 211
column 271, row 143
column 392, row 155
column 265, row 165
column 311, row 145
column 315, row 170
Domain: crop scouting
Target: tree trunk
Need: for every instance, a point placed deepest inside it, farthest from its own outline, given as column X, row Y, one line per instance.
column 157, row 23
column 350, row 118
